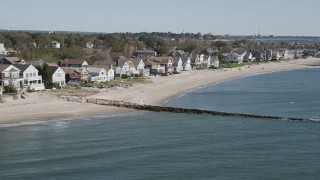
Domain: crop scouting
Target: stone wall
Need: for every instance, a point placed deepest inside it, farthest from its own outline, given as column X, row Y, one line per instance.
column 145, row 107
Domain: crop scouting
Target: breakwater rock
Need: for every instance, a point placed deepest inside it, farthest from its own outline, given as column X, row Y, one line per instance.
column 146, row 107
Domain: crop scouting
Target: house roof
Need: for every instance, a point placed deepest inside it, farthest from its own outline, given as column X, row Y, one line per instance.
column 35, row 63
column 239, row 51
column 150, row 63
column 136, row 62
column 130, row 64
column 53, row 68
column 176, row 60
column 106, row 67
column 22, row 67
column 4, row 66
column 94, row 69
column 69, row 70
column 160, row 59
column 122, row 61
column 247, row 54
column 13, row 60
column 73, row 61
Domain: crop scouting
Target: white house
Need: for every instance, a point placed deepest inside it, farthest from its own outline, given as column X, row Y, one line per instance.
column 97, row 74
column 186, row 63
column 235, row 57
column 208, row 61
column 110, row 74
column 10, row 75
column 248, row 57
column 3, row 50
column 89, row 45
column 276, row 55
column 58, row 75
column 164, row 61
column 215, row 61
column 55, row 44
column 84, row 73
column 177, row 64
column 140, row 67
column 31, row 78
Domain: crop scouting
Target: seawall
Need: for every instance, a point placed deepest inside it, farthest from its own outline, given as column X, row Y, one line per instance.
column 153, row 108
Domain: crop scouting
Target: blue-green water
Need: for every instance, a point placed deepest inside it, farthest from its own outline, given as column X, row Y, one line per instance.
column 145, row 145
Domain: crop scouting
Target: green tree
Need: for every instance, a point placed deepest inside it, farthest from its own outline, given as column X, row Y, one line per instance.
column 46, row 74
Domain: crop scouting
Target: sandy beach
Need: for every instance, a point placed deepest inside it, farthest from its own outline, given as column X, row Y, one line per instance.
column 41, row 106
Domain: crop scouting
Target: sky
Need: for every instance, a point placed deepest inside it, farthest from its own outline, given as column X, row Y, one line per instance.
column 218, row 17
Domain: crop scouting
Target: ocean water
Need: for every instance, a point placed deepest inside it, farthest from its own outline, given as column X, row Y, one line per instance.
column 148, row 145
column 292, row 93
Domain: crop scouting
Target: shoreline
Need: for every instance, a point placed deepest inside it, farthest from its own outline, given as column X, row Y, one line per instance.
column 43, row 107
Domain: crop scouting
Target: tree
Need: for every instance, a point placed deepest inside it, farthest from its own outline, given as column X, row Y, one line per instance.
column 46, row 74
column 222, row 58
column 190, row 45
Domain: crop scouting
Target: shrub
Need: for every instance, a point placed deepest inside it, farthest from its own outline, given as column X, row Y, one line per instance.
column 10, row 89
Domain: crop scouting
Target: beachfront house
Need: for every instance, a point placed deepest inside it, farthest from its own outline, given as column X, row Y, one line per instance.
column 140, row 67
column 31, row 78
column 122, row 67
column 177, row 64
column 58, row 76
column 186, row 63
column 164, row 61
column 97, row 74
column 110, row 74
column 248, row 57
column 10, row 75
column 215, row 62
column 207, row 61
column 84, row 73
column 235, row 56
column 276, row 55
column 155, row 68
column 72, row 76
column 268, row 54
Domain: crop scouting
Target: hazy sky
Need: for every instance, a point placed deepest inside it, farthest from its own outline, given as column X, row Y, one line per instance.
column 235, row 17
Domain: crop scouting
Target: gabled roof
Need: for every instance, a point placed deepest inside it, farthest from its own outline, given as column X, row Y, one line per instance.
column 22, row 67
column 122, row 61
column 4, row 66
column 69, row 70
column 136, row 62
column 176, row 60
column 246, row 56
column 130, row 64
column 53, row 68
column 150, row 63
column 13, row 60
